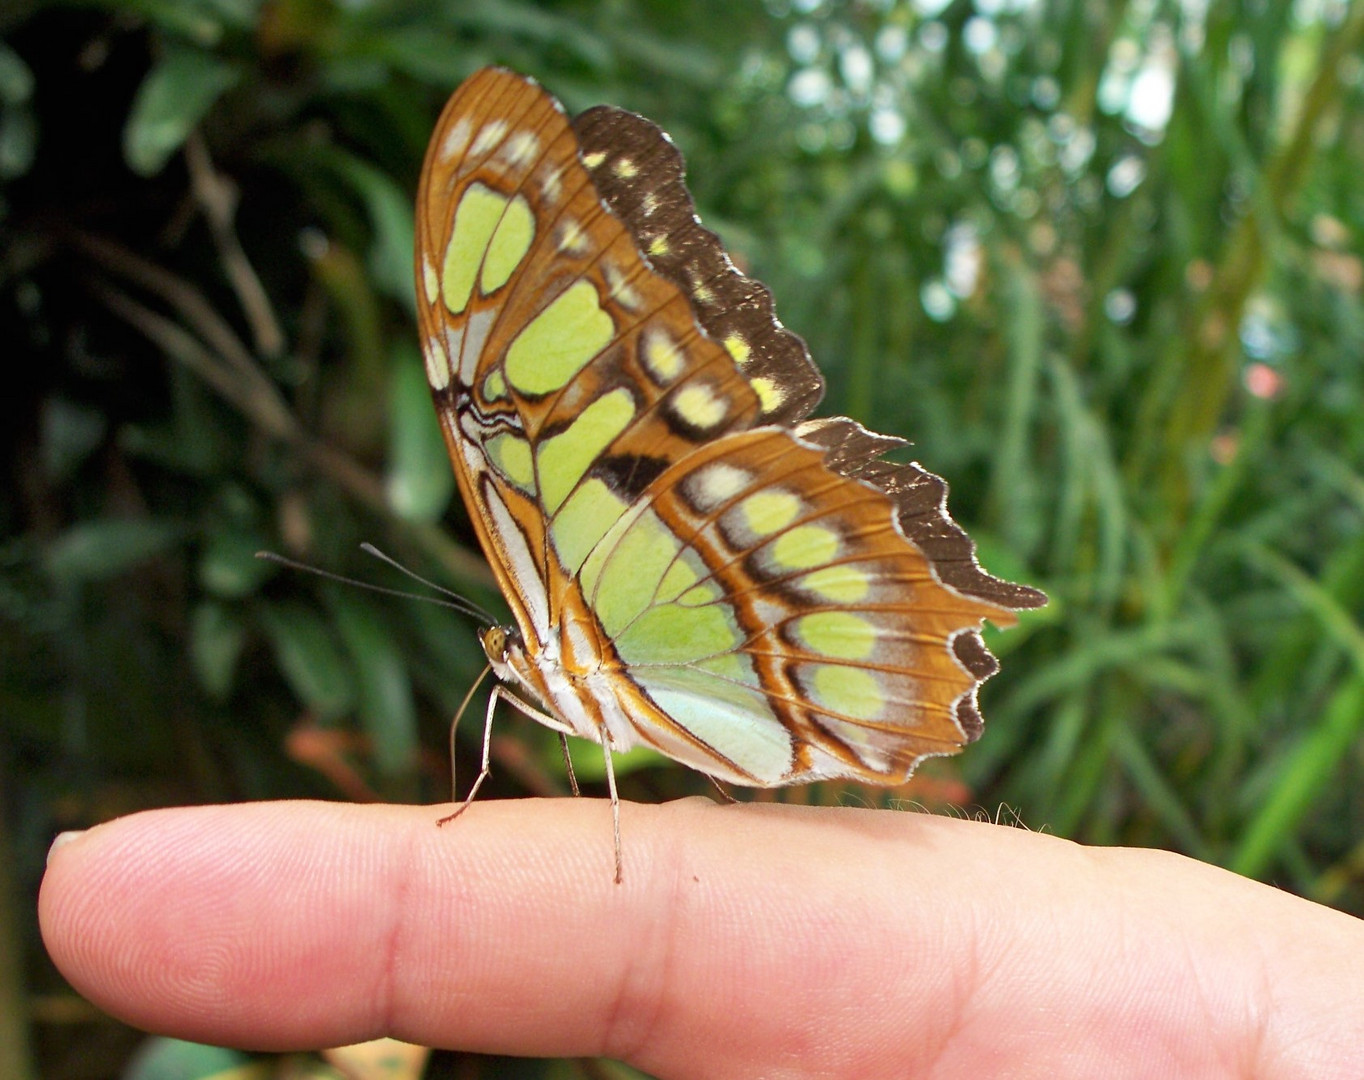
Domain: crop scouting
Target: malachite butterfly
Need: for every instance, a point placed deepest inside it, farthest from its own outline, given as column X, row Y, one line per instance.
column 692, row 564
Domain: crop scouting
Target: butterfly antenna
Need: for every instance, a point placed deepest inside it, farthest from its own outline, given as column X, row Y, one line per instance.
column 469, row 608
column 458, row 603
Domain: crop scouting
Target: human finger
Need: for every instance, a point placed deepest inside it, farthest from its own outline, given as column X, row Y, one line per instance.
column 745, row 940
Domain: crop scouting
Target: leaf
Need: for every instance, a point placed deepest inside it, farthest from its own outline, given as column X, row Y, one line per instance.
column 309, row 659
column 428, row 54
column 1304, row 781
column 506, row 18
column 176, row 94
column 385, row 704
column 201, row 21
column 18, row 127
column 16, row 78
column 175, row 1059
column 216, row 637
column 102, row 549
column 420, row 481
column 18, row 141
column 589, row 764
column 71, row 433
column 228, row 566
column 390, row 212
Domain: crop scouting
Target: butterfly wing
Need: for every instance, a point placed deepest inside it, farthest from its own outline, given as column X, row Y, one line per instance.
column 690, row 562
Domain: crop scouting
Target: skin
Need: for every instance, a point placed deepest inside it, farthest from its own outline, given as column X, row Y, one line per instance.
column 746, row 941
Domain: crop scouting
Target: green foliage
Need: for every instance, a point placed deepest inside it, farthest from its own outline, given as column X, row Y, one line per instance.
column 1126, row 325
column 172, row 100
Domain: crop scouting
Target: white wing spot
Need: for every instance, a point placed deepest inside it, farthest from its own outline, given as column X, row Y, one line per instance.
column 699, row 405
column 570, row 238
column 551, row 186
column 456, row 139
column 738, row 348
column 520, row 148
column 430, row 280
column 437, row 363
column 619, row 288
column 662, row 357
column 716, row 483
column 489, row 136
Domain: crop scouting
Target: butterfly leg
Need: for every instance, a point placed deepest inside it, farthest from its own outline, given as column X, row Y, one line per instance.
column 615, row 799
column 554, row 724
column 568, row 764
column 485, row 769
column 540, row 717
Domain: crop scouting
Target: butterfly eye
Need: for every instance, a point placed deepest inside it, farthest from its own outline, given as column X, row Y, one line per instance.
column 495, row 642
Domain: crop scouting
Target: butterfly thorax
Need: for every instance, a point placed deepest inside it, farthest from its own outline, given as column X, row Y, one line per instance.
column 569, row 673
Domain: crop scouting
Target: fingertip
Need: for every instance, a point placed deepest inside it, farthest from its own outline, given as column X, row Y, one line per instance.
column 63, row 839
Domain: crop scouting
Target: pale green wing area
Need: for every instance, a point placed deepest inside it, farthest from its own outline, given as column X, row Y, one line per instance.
column 734, row 720
column 673, row 627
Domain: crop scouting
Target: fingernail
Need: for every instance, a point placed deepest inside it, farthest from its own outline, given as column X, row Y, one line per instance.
column 62, row 840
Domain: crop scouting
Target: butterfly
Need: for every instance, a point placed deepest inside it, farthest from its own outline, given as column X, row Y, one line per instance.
column 692, row 564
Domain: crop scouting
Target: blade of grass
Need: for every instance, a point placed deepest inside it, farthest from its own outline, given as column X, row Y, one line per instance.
column 1158, row 795
column 1326, row 743
column 1304, row 775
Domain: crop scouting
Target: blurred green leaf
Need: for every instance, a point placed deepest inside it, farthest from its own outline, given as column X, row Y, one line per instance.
column 386, row 707
column 351, row 406
column 513, row 17
column 428, row 53
column 100, row 549
column 1302, row 780
column 71, row 433
column 695, row 65
column 173, row 1059
column 228, row 566
column 1013, row 487
column 420, row 479
column 309, row 658
column 18, row 141
column 16, row 78
column 18, row 125
column 391, row 214
column 217, row 635
column 176, row 94
column 590, row 766
column 201, row 22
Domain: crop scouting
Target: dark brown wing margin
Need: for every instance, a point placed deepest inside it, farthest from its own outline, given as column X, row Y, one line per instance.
column 640, row 176
column 921, row 507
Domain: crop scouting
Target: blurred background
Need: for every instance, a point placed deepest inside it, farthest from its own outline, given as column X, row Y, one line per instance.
column 1100, row 262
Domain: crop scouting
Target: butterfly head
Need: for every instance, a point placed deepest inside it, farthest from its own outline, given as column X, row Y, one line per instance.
column 503, row 647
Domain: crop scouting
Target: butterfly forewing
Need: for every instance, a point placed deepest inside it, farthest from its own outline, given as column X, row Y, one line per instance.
column 766, row 602
column 639, row 173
